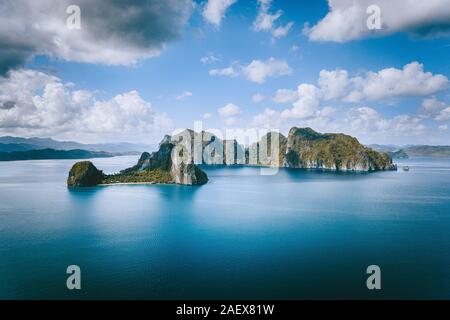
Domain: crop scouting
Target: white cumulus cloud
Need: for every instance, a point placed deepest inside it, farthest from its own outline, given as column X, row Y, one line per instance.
column 269, row 118
column 256, row 98
column 436, row 109
column 230, row 110
column 308, row 100
column 265, row 20
column 443, row 115
column 285, row 96
column 215, row 10
column 411, row 80
column 258, row 71
column 347, row 19
column 224, row 72
column 41, row 104
column 366, row 120
column 307, row 104
column 334, row 84
column 209, row 59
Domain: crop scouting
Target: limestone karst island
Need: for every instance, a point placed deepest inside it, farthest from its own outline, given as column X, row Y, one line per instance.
column 175, row 163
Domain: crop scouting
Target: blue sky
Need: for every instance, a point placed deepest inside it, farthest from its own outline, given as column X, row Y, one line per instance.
column 395, row 115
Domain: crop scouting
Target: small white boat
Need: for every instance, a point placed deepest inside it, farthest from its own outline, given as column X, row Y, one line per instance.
column 405, row 168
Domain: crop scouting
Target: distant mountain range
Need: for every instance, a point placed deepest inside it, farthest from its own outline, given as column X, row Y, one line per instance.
column 16, row 148
column 52, row 154
column 8, row 144
column 413, row 151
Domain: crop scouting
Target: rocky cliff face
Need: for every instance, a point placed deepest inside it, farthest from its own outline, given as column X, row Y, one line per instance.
column 270, row 151
column 171, row 158
column 206, row 148
column 188, row 174
column 178, row 156
column 303, row 148
column 307, row 148
column 167, row 165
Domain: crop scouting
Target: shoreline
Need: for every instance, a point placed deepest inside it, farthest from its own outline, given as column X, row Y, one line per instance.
column 125, row 183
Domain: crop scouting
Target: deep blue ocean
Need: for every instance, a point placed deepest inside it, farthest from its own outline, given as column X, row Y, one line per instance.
column 297, row 234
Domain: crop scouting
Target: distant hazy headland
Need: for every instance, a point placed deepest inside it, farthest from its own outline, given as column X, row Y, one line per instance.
column 398, row 152
column 15, row 148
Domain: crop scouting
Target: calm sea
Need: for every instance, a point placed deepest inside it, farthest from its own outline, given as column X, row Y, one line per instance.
column 297, row 234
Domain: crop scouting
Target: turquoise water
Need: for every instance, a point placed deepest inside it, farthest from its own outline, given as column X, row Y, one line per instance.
column 298, row 234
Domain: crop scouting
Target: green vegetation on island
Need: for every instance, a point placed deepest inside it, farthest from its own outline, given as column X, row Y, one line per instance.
column 158, row 167
column 177, row 159
column 136, row 176
column 84, row 174
column 307, row 148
